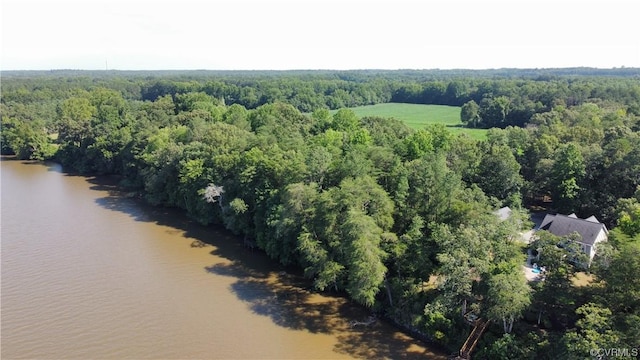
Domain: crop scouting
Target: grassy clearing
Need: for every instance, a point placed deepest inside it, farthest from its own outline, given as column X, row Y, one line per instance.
column 582, row 279
column 417, row 116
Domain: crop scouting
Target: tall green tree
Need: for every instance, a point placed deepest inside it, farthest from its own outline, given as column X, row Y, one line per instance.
column 508, row 295
column 365, row 260
column 594, row 331
column 342, row 244
column 629, row 214
column 470, row 114
column 499, row 175
column 292, row 217
column 566, row 174
column 26, row 140
column 74, row 120
column 464, row 258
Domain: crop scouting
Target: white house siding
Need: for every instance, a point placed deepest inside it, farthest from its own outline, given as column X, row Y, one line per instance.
column 602, row 236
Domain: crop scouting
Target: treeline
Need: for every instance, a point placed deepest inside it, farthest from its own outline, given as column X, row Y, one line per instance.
column 402, row 220
column 494, row 98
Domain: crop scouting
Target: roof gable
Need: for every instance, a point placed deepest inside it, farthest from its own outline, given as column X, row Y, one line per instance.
column 592, row 218
column 563, row 225
column 545, row 222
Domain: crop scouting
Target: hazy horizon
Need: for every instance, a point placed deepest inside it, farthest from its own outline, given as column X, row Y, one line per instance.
column 146, row 35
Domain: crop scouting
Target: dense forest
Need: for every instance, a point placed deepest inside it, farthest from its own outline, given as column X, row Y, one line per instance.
column 401, row 220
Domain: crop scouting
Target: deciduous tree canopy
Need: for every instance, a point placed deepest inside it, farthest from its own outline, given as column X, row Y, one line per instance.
column 400, row 220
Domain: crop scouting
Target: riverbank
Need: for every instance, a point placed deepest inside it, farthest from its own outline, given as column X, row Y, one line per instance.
column 93, row 271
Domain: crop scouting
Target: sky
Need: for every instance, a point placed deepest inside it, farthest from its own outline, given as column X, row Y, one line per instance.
column 311, row 34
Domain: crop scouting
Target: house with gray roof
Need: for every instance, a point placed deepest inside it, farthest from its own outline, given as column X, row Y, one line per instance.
column 591, row 230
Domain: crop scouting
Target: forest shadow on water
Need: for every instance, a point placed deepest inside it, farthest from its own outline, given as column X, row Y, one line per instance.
column 287, row 299
column 271, row 290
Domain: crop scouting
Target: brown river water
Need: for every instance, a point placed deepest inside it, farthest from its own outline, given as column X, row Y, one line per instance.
column 87, row 273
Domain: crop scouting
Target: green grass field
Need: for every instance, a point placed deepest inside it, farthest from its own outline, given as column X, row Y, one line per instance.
column 417, row 116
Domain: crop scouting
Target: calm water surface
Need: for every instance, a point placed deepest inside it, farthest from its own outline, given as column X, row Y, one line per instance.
column 90, row 274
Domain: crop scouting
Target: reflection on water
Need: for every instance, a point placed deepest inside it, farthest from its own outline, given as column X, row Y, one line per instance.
column 90, row 273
